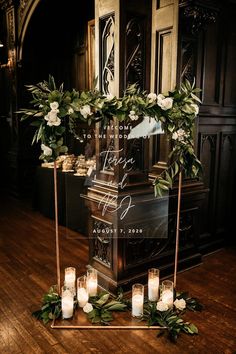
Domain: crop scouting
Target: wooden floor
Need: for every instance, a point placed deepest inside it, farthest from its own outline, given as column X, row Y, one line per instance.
column 27, row 269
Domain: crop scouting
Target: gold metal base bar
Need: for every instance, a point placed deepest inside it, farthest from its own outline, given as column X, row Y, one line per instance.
column 105, row 327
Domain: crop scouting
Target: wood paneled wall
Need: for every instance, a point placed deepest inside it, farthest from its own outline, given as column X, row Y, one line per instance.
column 208, row 52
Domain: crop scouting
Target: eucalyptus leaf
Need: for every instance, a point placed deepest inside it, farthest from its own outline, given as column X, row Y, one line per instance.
column 193, row 328
column 196, row 98
column 103, row 299
column 40, row 133
column 111, row 303
column 117, row 307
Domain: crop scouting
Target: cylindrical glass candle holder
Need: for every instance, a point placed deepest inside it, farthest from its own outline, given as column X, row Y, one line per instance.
column 70, row 278
column 92, row 281
column 153, row 284
column 82, row 293
column 67, row 302
column 167, row 295
column 137, row 300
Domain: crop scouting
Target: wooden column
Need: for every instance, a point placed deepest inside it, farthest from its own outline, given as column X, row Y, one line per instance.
column 163, row 65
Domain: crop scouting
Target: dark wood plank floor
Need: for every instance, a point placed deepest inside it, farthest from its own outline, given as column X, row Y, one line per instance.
column 27, row 269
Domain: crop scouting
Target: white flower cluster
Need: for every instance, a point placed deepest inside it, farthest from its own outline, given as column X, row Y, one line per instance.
column 133, row 115
column 47, row 151
column 85, row 111
column 164, row 102
column 88, row 308
column 180, row 304
column 51, row 117
column 180, row 135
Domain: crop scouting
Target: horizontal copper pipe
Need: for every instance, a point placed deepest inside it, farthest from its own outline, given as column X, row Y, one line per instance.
column 105, row 327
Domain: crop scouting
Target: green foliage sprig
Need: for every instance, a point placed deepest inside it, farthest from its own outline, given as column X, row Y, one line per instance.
column 103, row 306
column 55, row 110
column 51, row 306
column 179, row 127
column 169, row 320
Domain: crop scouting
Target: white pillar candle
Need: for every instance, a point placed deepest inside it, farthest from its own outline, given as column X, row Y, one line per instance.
column 92, row 281
column 70, row 276
column 168, row 297
column 153, row 289
column 137, row 305
column 153, row 284
column 82, row 296
column 92, row 287
column 67, row 306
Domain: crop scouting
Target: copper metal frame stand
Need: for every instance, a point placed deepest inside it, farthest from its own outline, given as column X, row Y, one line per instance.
column 177, row 229
column 132, row 327
column 56, row 230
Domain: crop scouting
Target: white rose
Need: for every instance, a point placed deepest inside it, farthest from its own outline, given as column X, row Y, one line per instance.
column 88, row 307
column 180, row 304
column 133, row 116
column 152, row 97
column 52, row 118
column 70, row 110
column 85, row 111
column 168, row 103
column 165, row 103
column 54, row 105
column 195, row 108
column 161, row 306
column 47, row 151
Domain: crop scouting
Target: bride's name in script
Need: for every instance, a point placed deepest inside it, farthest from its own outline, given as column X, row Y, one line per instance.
column 112, row 160
column 109, row 201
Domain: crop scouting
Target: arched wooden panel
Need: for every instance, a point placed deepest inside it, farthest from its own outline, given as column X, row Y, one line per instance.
column 25, row 11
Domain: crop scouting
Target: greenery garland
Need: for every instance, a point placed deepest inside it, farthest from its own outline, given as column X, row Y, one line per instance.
column 99, row 311
column 55, row 109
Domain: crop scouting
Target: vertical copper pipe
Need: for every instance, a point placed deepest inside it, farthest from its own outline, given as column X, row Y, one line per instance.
column 177, row 228
column 57, row 233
